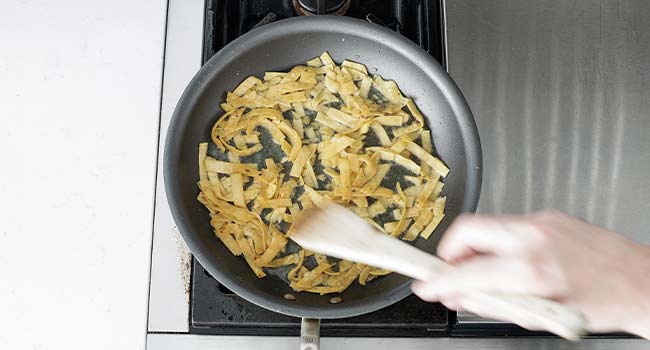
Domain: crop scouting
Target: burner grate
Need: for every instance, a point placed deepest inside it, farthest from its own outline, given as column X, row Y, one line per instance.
column 421, row 21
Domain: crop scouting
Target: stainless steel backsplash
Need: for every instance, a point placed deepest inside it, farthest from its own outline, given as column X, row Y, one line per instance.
column 561, row 94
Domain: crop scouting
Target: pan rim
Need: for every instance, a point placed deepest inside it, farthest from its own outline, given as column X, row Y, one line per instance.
column 335, row 24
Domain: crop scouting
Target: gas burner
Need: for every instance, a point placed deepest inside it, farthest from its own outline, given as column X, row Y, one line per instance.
column 321, row 7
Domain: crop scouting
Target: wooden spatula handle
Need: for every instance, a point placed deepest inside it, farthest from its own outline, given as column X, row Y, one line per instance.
column 410, row 261
column 361, row 243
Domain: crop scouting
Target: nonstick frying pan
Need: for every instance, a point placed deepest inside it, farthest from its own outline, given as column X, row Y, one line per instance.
column 278, row 47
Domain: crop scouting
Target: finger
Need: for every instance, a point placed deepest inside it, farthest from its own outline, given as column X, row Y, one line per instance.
column 450, row 302
column 475, row 305
column 481, row 274
column 471, row 234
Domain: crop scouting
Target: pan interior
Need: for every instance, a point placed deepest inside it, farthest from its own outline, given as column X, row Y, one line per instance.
column 278, row 47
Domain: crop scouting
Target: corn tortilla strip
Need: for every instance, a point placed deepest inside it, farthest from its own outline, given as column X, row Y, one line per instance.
column 344, row 280
column 326, row 59
column 419, row 224
column 277, row 244
column 287, row 87
column 309, row 176
column 425, row 135
column 228, row 168
column 438, row 189
column 342, row 118
column 356, row 66
column 301, row 160
column 323, row 290
column 375, row 209
column 298, row 126
column 415, row 112
column 344, row 166
column 238, row 190
column 359, row 179
column 330, row 123
column 258, row 244
column 439, row 206
column 336, row 145
column 203, row 151
column 389, row 155
column 406, row 130
column 315, row 62
column 246, row 85
column 381, row 134
column 373, row 183
column 228, row 241
column 276, row 203
column 427, row 191
column 293, row 273
column 293, row 97
column 435, row 163
column 283, row 261
column 360, row 202
column 435, row 221
column 294, row 138
column 249, row 256
column 307, row 281
column 272, row 75
column 390, row 120
column 364, row 274
column 379, row 272
column 413, row 179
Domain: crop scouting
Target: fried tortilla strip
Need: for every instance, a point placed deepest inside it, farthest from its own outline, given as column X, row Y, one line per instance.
column 238, row 190
column 435, row 163
column 346, row 189
column 421, row 221
column 221, row 167
column 277, row 244
column 203, row 151
column 228, row 241
column 336, row 145
column 310, row 279
column 342, row 118
column 246, row 85
column 327, row 121
column 276, row 203
column 283, row 261
column 426, row 233
column 326, row 58
column 249, row 256
column 293, row 274
column 370, row 186
column 381, row 134
column 364, row 274
column 301, row 161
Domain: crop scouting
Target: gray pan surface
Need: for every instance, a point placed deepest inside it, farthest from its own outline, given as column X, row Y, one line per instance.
column 278, row 47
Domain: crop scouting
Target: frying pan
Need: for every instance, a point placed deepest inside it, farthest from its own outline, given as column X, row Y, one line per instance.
column 278, row 47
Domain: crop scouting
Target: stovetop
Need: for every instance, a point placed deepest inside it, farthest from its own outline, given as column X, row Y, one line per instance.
column 216, row 310
column 421, row 21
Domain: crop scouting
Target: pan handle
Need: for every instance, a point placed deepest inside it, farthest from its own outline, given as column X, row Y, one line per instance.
column 321, row 7
column 310, row 334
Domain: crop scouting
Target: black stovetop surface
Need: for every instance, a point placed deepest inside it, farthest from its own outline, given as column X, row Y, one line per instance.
column 421, row 21
column 216, row 310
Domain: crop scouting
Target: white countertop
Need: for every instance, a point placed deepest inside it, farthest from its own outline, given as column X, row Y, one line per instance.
column 80, row 85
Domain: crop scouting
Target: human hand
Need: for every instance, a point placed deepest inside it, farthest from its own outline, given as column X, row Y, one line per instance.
column 552, row 255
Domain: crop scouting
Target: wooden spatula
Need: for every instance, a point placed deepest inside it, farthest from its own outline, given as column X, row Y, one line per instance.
column 337, row 232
